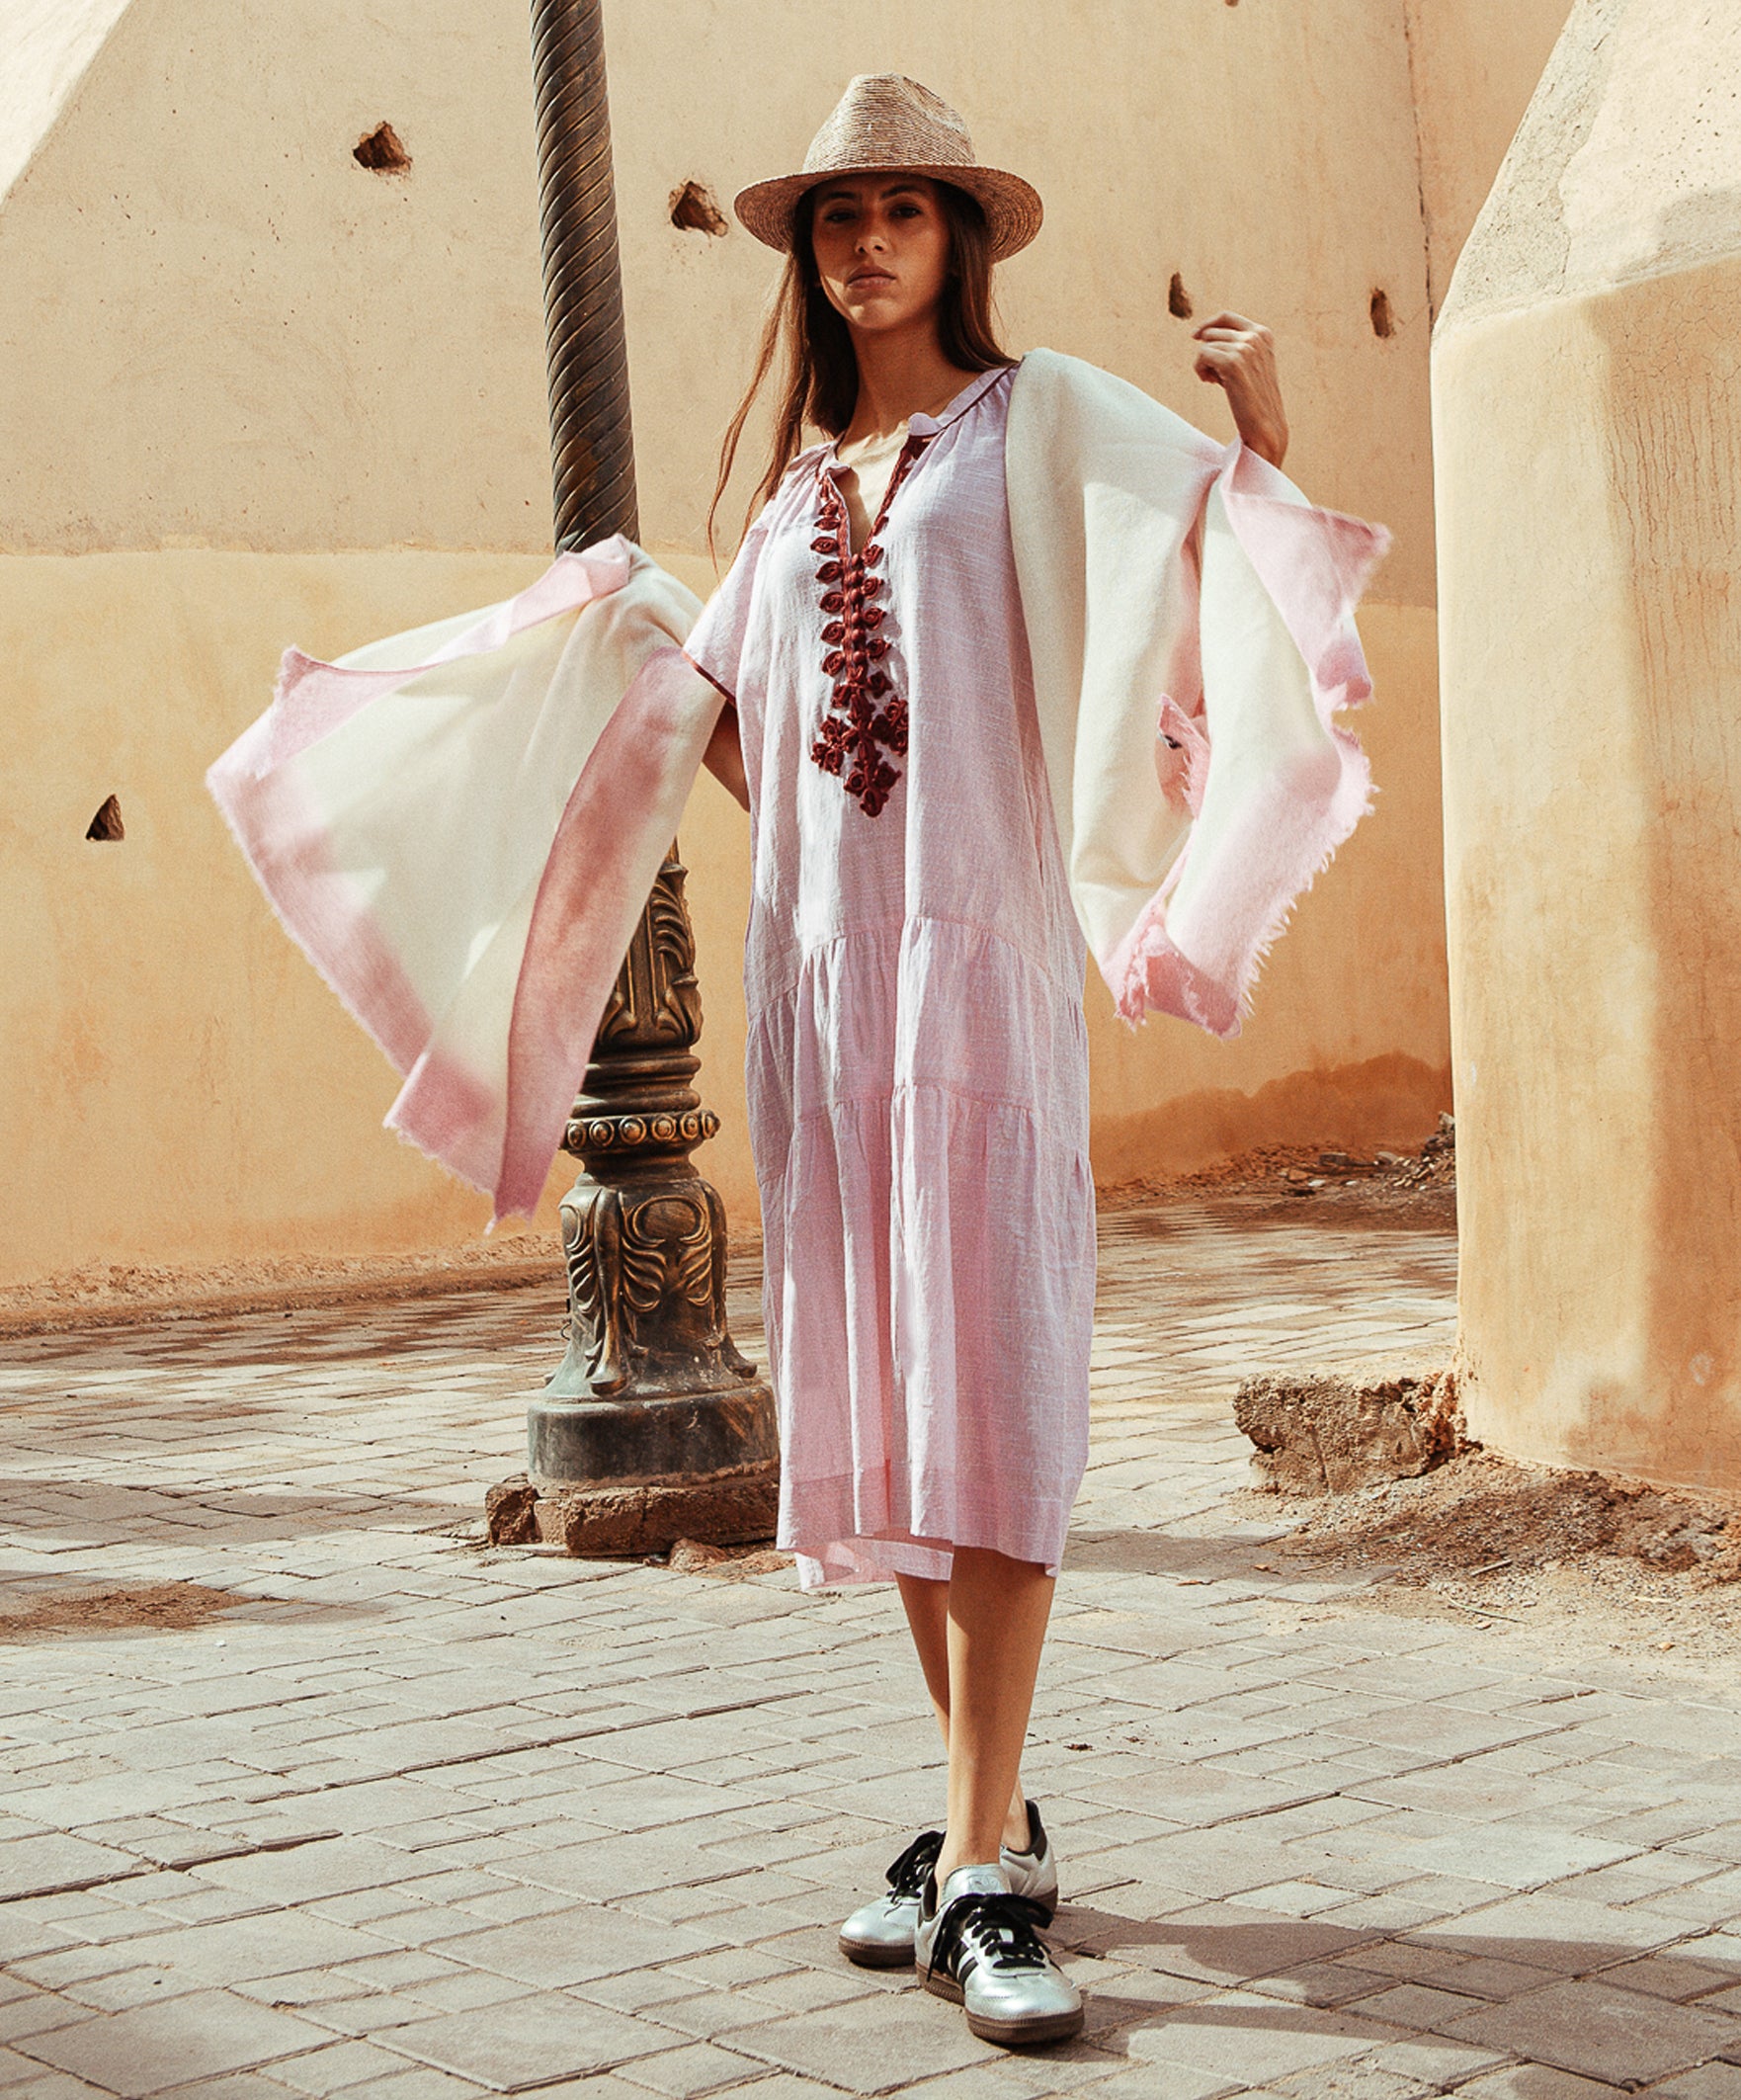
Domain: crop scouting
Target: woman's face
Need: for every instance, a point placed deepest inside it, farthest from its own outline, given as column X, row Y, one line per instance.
column 883, row 249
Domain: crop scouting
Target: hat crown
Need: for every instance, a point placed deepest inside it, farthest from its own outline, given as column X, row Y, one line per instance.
column 887, row 120
column 885, row 123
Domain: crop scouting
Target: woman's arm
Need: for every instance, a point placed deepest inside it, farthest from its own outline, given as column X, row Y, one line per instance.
column 1239, row 357
column 725, row 756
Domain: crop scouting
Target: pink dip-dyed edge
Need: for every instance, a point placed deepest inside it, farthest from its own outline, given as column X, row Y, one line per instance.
column 1316, row 564
column 443, row 1109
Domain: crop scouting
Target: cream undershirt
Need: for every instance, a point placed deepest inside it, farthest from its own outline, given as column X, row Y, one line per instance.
column 869, row 467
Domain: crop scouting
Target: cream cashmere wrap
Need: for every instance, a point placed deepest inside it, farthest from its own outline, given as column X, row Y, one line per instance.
column 461, row 825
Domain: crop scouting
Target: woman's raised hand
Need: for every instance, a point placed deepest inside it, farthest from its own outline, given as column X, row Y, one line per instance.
column 1239, row 357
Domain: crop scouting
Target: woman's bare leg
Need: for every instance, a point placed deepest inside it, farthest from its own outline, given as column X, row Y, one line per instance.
column 927, row 1605
column 978, row 1637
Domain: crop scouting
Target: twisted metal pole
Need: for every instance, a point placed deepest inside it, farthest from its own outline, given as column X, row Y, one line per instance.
column 591, row 438
column 592, row 443
column 653, row 1427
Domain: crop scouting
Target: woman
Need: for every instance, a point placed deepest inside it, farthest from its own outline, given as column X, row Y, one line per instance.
column 918, row 1060
column 934, row 675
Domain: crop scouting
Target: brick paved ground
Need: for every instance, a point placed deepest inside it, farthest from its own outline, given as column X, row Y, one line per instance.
column 417, row 1820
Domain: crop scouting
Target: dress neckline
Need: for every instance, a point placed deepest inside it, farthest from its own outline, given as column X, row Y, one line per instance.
column 924, row 426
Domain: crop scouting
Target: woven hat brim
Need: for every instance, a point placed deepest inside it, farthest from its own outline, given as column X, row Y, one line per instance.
column 1012, row 210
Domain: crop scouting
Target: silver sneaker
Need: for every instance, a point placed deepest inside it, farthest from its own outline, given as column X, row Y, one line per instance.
column 975, row 1945
column 879, row 1935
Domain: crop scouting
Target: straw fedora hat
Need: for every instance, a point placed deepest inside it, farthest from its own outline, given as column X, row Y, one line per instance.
column 885, row 123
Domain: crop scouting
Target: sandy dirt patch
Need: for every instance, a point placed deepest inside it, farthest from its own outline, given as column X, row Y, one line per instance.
column 1590, row 1564
column 155, row 1607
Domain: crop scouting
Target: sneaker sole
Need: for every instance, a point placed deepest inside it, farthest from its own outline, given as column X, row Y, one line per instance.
column 868, row 1955
column 1011, row 2034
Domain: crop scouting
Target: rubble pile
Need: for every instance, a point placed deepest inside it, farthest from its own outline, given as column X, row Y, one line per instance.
column 1433, row 1167
column 1480, row 1515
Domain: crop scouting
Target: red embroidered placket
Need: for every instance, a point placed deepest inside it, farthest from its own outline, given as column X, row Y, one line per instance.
column 866, row 718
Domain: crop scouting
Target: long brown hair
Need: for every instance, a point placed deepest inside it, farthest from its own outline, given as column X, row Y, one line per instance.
column 819, row 383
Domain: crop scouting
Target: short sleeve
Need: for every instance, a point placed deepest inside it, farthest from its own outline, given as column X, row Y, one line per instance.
column 715, row 644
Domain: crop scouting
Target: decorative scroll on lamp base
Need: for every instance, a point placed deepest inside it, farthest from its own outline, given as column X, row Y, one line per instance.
column 653, row 1427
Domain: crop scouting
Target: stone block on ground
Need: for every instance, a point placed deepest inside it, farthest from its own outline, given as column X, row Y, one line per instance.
column 734, row 1507
column 511, row 1510
column 1326, row 1431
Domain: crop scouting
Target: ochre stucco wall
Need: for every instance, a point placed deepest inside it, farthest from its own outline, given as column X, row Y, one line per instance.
column 220, row 331
column 183, row 1087
column 1588, row 425
column 251, row 394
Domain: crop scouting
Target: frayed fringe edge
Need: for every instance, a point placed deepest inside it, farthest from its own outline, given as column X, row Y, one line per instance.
column 1205, row 1000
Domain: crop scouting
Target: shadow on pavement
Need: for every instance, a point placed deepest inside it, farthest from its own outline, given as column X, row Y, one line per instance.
column 1624, row 2015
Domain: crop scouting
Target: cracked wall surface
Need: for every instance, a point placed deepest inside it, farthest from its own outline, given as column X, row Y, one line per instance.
column 1473, row 66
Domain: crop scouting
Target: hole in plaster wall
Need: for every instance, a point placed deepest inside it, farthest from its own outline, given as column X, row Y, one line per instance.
column 107, row 823
column 382, row 151
column 1383, row 320
column 696, row 210
column 1177, row 299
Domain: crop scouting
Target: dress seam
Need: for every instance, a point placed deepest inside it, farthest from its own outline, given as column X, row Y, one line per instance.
column 1071, row 992
column 724, row 691
column 889, row 1094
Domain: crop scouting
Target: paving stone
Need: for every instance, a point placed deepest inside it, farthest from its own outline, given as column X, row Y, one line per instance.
column 158, row 2047
column 41, row 1866
column 466, row 1990
column 1514, row 1858
column 1591, row 2028
column 371, row 2014
column 441, row 2086
column 244, row 1949
column 1239, row 2035
column 685, row 2073
column 131, row 1986
column 1708, row 2081
column 1042, row 2075
column 1669, row 1975
column 17, row 2070
column 526, row 2043
column 1348, row 2082
column 590, row 1944
column 58, row 2085
column 338, row 2069
column 1534, row 2082
column 1435, row 2062
column 1559, row 1933
column 335, row 1867
column 1299, row 1900
column 37, row 2013
column 1166, row 2082
column 1323, row 1984
column 1481, row 1979
column 244, row 2086
column 1220, row 1942
column 778, row 2087
column 1415, row 2006
column 870, row 2044
column 1202, row 1863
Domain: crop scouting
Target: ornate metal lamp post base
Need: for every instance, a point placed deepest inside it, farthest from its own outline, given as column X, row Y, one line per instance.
column 653, row 1428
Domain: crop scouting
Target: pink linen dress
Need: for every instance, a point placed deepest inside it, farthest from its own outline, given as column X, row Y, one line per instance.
column 918, row 1060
